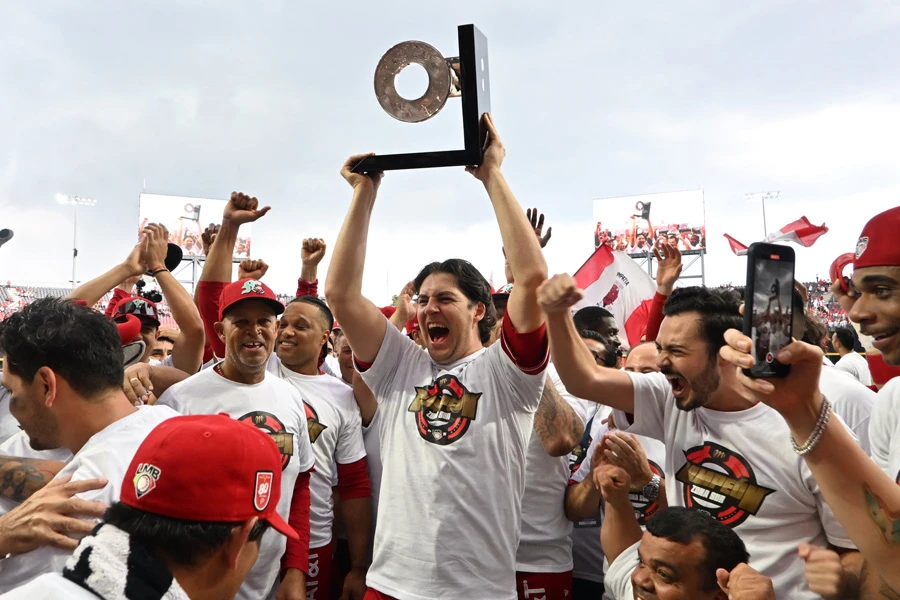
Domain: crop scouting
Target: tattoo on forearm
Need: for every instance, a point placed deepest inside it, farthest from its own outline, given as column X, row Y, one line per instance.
column 888, row 522
column 19, row 478
column 553, row 416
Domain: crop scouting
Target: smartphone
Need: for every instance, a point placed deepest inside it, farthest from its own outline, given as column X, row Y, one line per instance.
column 768, row 313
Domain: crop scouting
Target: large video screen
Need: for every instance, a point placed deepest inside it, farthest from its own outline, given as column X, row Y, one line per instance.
column 186, row 218
column 634, row 224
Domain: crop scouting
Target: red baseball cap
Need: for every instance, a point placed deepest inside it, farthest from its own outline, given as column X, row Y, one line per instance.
column 248, row 289
column 412, row 325
column 140, row 307
column 233, row 472
column 388, row 311
column 876, row 246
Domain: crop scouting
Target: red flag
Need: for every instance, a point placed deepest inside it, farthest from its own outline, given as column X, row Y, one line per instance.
column 800, row 232
column 736, row 247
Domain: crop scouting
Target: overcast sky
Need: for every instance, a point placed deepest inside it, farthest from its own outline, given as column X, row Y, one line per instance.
column 593, row 100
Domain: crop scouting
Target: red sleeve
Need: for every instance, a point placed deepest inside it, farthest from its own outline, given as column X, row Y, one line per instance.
column 296, row 556
column 353, row 480
column 529, row 351
column 118, row 295
column 307, row 288
column 209, row 294
column 655, row 318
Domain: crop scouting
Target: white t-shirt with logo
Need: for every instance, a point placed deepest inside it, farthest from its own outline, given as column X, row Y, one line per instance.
column 618, row 576
column 275, row 407
column 545, row 545
column 850, row 400
column 20, row 445
column 453, row 441
column 856, row 365
column 106, row 454
column 335, row 432
column 884, row 429
column 740, row 468
column 644, row 508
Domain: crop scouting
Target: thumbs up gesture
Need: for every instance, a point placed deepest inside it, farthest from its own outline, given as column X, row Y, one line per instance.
column 745, row 583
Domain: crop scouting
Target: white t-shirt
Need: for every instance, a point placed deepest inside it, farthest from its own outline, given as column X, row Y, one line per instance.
column 545, row 545
column 644, row 508
column 20, row 445
column 275, row 407
column 856, row 365
column 372, row 441
column 49, row 586
column 618, row 576
column 106, row 454
column 453, row 440
column 884, row 429
column 335, row 432
column 850, row 400
column 740, row 468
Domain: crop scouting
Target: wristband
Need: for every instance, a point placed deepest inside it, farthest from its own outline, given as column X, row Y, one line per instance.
column 153, row 272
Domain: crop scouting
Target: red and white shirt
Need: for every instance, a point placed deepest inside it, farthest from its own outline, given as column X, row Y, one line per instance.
column 335, row 432
column 453, row 441
column 275, row 407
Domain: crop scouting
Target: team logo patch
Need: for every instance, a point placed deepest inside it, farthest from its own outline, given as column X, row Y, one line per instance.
column 611, row 296
column 252, row 287
column 721, row 483
column 145, row 478
column 270, row 424
column 138, row 304
column 444, row 410
column 861, row 246
column 263, row 489
column 312, row 423
column 644, row 508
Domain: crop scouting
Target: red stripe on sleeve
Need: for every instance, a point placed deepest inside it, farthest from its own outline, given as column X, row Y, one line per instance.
column 655, row 318
column 209, row 295
column 529, row 351
column 307, row 288
column 296, row 555
column 353, row 480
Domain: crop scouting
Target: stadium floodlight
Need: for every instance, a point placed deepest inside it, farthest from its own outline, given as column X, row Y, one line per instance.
column 75, row 201
column 762, row 197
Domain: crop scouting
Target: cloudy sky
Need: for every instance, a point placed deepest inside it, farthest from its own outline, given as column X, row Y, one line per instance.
column 593, row 100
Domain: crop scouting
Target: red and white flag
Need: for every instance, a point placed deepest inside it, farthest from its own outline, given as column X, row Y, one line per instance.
column 616, row 282
column 800, row 232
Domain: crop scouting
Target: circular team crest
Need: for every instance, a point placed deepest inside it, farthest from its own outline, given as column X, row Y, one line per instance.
column 444, row 410
column 270, row 424
column 722, row 483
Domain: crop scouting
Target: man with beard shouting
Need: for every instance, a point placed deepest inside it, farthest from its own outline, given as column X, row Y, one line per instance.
column 727, row 454
column 455, row 418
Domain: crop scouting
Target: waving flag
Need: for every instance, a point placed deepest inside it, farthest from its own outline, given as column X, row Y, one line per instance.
column 800, row 232
column 616, row 282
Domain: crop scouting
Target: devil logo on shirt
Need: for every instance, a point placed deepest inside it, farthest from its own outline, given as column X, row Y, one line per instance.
column 269, row 423
column 312, row 423
column 722, row 483
column 444, row 410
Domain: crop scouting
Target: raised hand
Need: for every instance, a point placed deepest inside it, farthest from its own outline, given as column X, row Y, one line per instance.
column 369, row 181
column 404, row 303
column 312, row 252
column 242, row 208
column 154, row 254
column 744, row 583
column 559, row 294
column 624, row 451
column 613, row 482
column 46, row 518
column 668, row 269
column 208, row 237
column 252, row 269
column 824, row 571
column 135, row 260
column 537, row 223
column 494, row 152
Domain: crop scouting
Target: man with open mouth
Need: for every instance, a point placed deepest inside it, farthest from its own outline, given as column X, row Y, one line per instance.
column 455, row 418
column 727, row 455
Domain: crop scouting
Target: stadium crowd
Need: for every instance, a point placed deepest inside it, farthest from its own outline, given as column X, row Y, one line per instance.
column 465, row 442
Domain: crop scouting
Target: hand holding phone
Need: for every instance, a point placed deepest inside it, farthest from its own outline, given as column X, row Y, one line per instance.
column 768, row 307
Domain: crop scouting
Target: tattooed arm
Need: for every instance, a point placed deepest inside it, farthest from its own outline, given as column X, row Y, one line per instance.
column 557, row 426
column 21, row 477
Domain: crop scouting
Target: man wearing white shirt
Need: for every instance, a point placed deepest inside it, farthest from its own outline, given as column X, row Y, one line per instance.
column 67, row 393
column 726, row 455
column 844, row 340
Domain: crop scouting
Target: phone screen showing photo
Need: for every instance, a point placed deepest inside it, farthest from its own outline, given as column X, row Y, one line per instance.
column 773, row 284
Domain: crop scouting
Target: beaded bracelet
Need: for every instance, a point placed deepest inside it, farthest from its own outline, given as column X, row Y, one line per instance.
column 816, row 435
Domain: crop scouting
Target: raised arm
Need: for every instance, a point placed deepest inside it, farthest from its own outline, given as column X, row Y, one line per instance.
column 187, row 354
column 360, row 319
column 557, row 425
column 620, row 528
column 577, row 369
column 523, row 250
column 864, row 499
column 91, row 291
column 311, row 254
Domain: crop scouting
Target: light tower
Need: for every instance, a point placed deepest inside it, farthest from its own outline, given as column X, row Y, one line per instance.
column 75, row 201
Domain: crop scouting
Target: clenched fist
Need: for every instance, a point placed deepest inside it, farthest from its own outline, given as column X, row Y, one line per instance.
column 252, row 269
column 242, row 208
column 744, row 583
column 313, row 251
column 824, row 571
column 559, row 294
column 208, row 237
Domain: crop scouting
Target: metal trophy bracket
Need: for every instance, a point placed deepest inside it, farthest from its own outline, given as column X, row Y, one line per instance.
column 465, row 76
